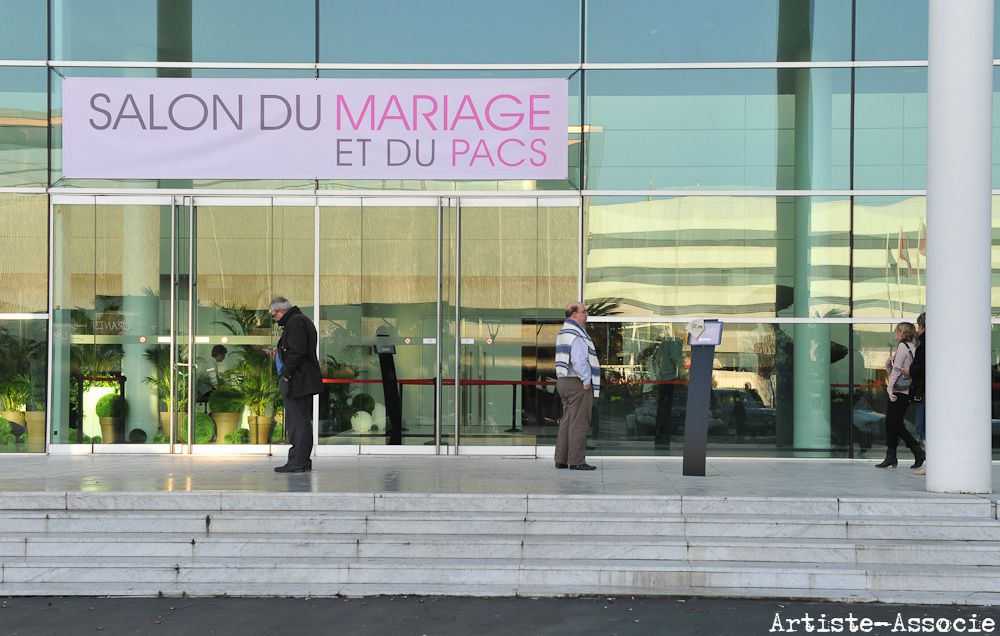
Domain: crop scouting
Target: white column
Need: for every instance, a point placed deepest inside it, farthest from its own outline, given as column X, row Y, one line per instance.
column 959, row 124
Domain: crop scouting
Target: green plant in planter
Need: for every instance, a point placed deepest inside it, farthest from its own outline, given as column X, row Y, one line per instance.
column 239, row 436
column 15, row 392
column 225, row 399
column 159, row 357
column 204, row 429
column 255, row 386
column 96, row 439
column 6, row 435
column 161, row 438
column 278, row 433
column 111, row 405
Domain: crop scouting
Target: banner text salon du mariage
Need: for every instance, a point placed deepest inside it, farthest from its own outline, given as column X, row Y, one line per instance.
column 144, row 128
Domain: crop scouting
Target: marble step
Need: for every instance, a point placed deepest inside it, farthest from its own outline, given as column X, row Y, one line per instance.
column 392, row 588
column 117, row 547
column 463, row 576
column 929, row 506
column 13, row 523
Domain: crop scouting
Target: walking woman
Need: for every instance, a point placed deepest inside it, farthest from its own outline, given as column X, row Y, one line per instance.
column 898, row 388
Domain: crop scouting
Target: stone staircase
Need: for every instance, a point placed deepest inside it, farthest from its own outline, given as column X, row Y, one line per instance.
column 914, row 550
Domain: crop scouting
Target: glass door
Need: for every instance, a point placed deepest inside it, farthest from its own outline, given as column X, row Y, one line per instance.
column 380, row 318
column 242, row 253
column 517, row 267
column 111, row 322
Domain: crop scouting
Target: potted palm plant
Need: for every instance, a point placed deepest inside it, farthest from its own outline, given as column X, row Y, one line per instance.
column 226, row 406
column 252, row 377
column 7, row 437
column 160, row 359
column 257, row 389
column 15, row 393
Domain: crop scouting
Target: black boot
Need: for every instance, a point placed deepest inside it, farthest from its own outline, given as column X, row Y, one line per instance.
column 890, row 461
column 919, row 456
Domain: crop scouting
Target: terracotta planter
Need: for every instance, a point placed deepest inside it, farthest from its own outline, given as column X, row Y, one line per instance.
column 36, row 431
column 225, row 424
column 14, row 417
column 165, row 421
column 109, row 429
column 260, row 429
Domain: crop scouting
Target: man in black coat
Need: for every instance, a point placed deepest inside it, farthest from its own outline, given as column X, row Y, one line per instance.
column 299, row 379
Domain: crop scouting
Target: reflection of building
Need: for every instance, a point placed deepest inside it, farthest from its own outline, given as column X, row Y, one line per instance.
column 771, row 175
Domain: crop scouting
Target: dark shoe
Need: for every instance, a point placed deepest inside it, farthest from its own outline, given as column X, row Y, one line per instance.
column 582, row 467
column 558, row 465
column 288, row 468
column 920, row 457
column 888, row 462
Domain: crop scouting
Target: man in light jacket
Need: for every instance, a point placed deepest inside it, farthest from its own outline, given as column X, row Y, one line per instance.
column 578, row 380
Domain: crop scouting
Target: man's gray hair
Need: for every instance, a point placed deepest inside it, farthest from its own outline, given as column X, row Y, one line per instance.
column 280, row 303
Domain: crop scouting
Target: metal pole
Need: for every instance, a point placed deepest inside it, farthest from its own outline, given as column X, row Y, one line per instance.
column 51, row 331
column 458, row 318
column 316, row 265
column 192, row 380
column 172, row 369
column 438, row 384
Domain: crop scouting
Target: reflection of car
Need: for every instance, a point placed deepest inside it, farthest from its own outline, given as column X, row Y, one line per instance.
column 732, row 412
column 740, row 413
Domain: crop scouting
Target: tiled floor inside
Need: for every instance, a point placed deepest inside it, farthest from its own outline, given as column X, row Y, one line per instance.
column 470, row 475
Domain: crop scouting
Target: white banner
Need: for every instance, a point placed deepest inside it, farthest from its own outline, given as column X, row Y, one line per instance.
column 144, row 128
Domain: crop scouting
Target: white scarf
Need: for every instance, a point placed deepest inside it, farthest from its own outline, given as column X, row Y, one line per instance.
column 564, row 345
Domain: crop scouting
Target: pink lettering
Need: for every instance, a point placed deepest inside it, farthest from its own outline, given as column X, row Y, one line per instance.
column 369, row 107
column 426, row 115
column 538, row 151
column 482, row 151
column 518, row 117
column 455, row 152
column 393, row 103
column 500, row 148
column 474, row 116
column 534, row 112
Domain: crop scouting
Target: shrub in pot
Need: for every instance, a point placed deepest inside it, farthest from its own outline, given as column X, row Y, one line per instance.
column 111, row 410
column 204, row 429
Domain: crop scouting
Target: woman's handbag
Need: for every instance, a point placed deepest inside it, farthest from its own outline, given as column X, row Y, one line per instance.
column 902, row 384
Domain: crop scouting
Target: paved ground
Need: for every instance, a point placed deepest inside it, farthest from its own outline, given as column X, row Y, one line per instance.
column 449, row 474
column 435, row 616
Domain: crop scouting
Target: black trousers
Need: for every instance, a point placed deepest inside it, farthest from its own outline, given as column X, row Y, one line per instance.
column 894, row 427
column 664, row 408
column 298, row 425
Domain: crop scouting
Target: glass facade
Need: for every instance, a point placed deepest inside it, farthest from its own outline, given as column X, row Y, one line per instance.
column 763, row 163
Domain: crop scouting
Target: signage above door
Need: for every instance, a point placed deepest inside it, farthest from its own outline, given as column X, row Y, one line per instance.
column 170, row 128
